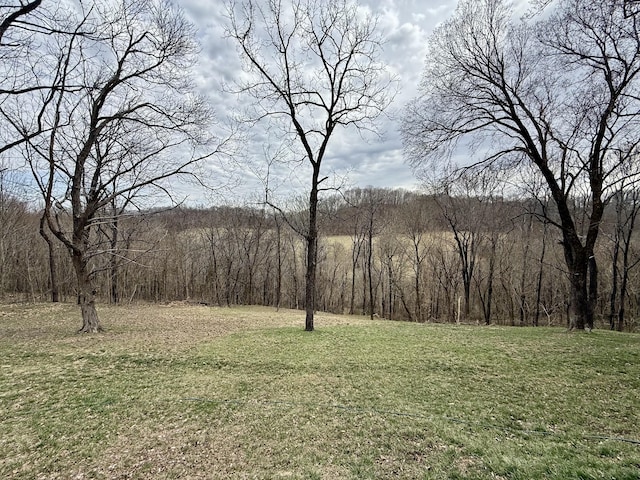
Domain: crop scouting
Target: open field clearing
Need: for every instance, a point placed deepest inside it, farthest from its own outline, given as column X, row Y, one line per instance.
column 195, row 392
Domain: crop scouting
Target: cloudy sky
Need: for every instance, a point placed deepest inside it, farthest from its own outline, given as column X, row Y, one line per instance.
column 406, row 25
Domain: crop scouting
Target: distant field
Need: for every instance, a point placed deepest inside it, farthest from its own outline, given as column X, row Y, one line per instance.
column 189, row 392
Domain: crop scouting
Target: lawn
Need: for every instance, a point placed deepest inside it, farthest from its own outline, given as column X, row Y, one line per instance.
column 188, row 392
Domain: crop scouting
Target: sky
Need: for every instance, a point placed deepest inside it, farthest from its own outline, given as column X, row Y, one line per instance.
column 354, row 161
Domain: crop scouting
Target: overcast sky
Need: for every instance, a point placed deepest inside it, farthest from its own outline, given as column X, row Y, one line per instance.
column 406, row 25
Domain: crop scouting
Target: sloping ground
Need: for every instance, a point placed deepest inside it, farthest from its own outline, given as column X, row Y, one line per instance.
column 181, row 391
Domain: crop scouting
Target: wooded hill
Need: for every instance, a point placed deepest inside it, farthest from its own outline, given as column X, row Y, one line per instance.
column 387, row 253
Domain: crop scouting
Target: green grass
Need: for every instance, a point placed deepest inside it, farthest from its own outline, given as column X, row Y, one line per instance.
column 196, row 392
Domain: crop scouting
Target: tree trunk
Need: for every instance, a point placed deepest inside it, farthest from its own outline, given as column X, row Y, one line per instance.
column 86, row 297
column 296, row 293
column 467, row 294
column 592, row 289
column 53, row 268
column 579, row 300
column 364, row 288
column 540, row 273
column 581, row 316
column 90, row 321
column 216, row 281
column 113, row 262
column 86, row 292
column 356, row 246
column 370, row 266
column 582, row 270
column 390, row 273
column 627, row 265
column 525, row 270
column 418, row 292
column 279, row 262
column 623, row 284
column 310, row 278
column 492, row 262
column 353, row 289
column 312, row 249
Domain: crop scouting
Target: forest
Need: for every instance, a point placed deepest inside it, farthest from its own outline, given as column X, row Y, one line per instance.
column 524, row 133
column 383, row 253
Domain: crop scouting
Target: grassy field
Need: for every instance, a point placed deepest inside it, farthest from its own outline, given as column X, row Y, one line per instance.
column 195, row 392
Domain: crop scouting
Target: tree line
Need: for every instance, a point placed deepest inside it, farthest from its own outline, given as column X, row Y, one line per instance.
column 382, row 253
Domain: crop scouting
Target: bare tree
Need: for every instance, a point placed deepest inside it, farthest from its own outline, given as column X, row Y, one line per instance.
column 358, row 234
column 627, row 208
column 12, row 221
column 123, row 237
column 134, row 123
column 445, row 267
column 23, row 73
column 559, row 93
column 414, row 225
column 313, row 68
column 468, row 207
column 372, row 202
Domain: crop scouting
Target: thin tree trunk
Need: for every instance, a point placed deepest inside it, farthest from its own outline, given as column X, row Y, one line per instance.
column 540, row 273
column 53, row 267
column 364, row 288
column 227, row 284
column 296, row 289
column 310, row 278
column 279, row 262
column 418, row 273
column 355, row 255
column 592, row 289
column 332, row 287
column 113, row 263
column 623, row 293
column 626, row 264
column 525, row 262
column 390, row 273
column 492, row 262
column 369, row 268
column 312, row 257
column 625, row 277
column 353, row 289
column 467, row 294
column 3, row 263
column 216, row 282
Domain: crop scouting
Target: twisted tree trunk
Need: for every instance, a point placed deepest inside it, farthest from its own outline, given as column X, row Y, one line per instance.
column 86, row 296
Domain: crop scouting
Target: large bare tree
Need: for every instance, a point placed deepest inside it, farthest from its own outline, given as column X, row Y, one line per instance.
column 559, row 93
column 313, row 68
column 130, row 123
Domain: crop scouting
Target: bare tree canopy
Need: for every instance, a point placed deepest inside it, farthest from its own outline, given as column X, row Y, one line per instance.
column 561, row 93
column 311, row 67
column 120, row 120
